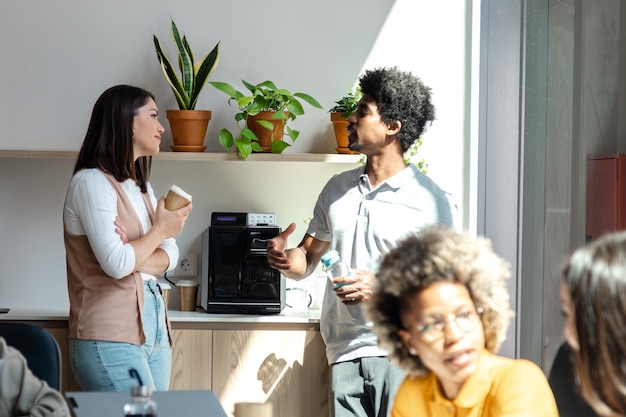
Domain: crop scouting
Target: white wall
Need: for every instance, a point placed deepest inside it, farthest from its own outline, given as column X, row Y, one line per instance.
column 31, row 249
column 59, row 56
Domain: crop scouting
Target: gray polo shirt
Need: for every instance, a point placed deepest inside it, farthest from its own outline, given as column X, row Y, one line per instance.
column 363, row 224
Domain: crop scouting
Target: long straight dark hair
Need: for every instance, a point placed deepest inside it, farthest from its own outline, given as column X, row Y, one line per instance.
column 108, row 143
column 595, row 276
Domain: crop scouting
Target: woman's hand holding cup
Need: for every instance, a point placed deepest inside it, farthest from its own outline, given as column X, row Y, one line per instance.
column 176, row 198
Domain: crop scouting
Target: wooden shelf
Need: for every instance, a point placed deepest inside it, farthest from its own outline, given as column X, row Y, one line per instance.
column 199, row 156
column 52, row 154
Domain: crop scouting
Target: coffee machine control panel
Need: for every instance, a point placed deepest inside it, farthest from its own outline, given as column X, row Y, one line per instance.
column 261, row 219
column 243, row 219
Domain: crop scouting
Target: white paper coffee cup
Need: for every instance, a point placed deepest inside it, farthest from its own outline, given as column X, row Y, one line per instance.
column 176, row 198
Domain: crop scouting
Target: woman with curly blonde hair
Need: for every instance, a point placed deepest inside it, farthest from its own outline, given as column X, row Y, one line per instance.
column 441, row 307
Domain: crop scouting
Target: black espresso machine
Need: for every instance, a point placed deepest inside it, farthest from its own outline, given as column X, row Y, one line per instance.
column 236, row 277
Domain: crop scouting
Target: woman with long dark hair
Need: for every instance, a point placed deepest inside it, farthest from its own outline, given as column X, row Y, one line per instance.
column 593, row 301
column 117, row 238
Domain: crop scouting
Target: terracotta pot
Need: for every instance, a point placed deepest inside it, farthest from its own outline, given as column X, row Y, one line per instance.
column 188, row 129
column 266, row 136
column 340, row 124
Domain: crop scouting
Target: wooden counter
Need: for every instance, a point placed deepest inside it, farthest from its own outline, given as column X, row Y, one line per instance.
column 276, row 358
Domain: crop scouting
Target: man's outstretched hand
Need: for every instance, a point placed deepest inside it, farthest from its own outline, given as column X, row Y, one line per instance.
column 276, row 255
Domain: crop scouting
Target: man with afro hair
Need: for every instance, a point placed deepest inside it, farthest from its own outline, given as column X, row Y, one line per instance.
column 363, row 213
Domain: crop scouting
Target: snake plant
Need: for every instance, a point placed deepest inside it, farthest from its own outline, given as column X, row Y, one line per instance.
column 193, row 76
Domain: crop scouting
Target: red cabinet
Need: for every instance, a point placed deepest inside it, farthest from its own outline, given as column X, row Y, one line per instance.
column 606, row 194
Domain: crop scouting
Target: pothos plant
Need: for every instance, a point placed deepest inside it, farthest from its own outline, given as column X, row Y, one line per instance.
column 262, row 97
column 348, row 104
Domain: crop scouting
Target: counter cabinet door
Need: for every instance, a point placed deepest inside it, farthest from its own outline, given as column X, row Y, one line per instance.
column 287, row 368
column 192, row 359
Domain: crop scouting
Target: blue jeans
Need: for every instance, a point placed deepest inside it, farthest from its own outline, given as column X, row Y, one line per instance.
column 103, row 366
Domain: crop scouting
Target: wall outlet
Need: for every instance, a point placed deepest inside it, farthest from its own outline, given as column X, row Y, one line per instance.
column 187, row 265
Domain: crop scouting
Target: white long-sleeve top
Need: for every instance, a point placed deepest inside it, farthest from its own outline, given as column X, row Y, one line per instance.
column 90, row 209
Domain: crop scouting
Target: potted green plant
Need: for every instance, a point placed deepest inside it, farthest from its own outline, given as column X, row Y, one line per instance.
column 339, row 114
column 262, row 117
column 187, row 124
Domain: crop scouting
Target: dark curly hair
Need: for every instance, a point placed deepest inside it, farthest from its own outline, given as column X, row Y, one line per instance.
column 401, row 96
column 432, row 255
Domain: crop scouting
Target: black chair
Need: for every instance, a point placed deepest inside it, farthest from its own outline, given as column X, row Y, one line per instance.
column 37, row 345
column 563, row 383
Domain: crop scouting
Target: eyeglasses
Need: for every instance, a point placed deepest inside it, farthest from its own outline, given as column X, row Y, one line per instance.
column 435, row 330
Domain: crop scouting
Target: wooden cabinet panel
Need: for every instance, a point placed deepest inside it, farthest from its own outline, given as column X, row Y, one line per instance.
column 287, row 368
column 192, row 360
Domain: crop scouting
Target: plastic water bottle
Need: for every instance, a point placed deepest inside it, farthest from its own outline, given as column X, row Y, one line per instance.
column 140, row 404
column 335, row 267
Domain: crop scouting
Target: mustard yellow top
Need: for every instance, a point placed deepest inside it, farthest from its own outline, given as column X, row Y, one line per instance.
column 502, row 387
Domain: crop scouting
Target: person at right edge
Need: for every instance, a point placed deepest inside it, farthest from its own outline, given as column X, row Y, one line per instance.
column 363, row 213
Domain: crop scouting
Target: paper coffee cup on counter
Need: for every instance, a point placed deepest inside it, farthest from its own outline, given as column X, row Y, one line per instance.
column 187, row 294
column 176, row 198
